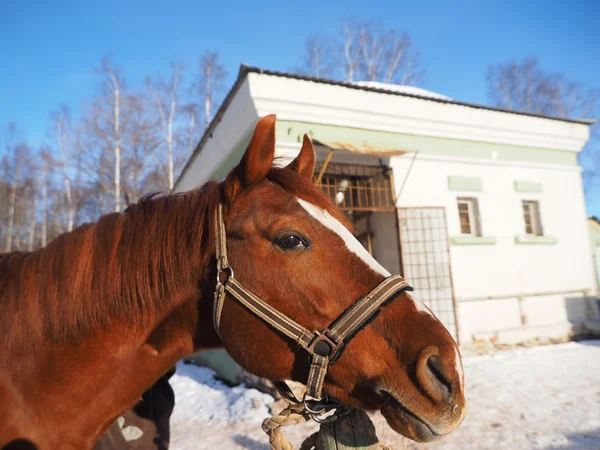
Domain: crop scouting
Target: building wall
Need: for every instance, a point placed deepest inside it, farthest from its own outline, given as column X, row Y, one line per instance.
column 450, row 140
column 500, row 266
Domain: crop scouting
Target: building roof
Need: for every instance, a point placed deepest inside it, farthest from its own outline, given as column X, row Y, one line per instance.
column 406, row 89
column 245, row 70
column 368, row 87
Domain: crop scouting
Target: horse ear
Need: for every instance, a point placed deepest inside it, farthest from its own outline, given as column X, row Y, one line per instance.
column 304, row 164
column 258, row 159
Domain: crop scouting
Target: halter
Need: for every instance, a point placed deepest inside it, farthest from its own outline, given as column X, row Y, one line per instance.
column 323, row 347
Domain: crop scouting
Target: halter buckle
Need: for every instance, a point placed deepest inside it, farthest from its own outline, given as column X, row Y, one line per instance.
column 323, row 345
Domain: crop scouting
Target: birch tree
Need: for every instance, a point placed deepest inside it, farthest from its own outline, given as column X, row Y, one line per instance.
column 95, row 143
column 33, row 220
column 114, row 85
column 387, row 55
column 143, row 162
column 165, row 93
column 118, row 150
column 45, row 169
column 191, row 111
column 62, row 127
column 14, row 154
column 320, row 57
column 209, row 82
column 364, row 51
column 351, row 50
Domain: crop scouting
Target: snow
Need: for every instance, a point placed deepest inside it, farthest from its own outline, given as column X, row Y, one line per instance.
column 532, row 398
column 204, row 405
column 401, row 88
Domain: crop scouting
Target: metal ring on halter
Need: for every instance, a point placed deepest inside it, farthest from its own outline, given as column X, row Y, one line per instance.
column 323, row 408
column 226, row 269
column 316, row 415
column 328, row 419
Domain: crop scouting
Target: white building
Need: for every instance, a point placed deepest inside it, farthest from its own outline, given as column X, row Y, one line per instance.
column 480, row 209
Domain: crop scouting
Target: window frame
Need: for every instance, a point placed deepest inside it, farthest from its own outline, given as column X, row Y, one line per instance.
column 473, row 215
column 531, row 209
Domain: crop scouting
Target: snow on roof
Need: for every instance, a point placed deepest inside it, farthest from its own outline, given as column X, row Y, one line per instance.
column 404, row 89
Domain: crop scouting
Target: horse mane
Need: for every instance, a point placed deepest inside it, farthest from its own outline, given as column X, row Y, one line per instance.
column 75, row 284
column 163, row 244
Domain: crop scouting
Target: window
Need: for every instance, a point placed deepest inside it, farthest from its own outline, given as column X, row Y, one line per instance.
column 468, row 215
column 531, row 214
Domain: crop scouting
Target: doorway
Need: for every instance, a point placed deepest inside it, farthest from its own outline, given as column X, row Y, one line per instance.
column 365, row 194
column 410, row 241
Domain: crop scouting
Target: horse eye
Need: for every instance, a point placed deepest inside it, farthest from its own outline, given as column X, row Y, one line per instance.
column 290, row 242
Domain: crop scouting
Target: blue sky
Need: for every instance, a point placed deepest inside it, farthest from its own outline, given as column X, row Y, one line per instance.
column 48, row 50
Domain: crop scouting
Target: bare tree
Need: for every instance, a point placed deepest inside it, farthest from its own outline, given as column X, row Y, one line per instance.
column 45, row 166
column 34, row 215
column 95, row 142
column 191, row 110
column 165, row 95
column 143, row 163
column 351, row 51
column 320, row 57
column 386, row 55
column 364, row 51
column 62, row 126
column 114, row 84
column 117, row 151
column 209, row 82
column 14, row 158
column 523, row 85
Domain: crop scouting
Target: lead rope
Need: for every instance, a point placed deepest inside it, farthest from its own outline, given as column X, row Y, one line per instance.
column 341, row 434
column 293, row 414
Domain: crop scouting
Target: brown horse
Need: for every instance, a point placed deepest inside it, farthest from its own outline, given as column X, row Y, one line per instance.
column 91, row 321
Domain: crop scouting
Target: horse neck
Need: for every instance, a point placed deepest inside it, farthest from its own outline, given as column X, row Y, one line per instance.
column 136, row 266
column 124, row 298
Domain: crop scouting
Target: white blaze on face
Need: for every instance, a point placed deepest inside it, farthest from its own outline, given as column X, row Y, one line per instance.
column 354, row 246
column 338, row 228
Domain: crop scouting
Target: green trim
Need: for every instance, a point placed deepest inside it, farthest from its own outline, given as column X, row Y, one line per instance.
column 294, row 132
column 472, row 240
column 530, row 239
column 291, row 131
column 232, row 159
column 471, row 184
column 528, row 186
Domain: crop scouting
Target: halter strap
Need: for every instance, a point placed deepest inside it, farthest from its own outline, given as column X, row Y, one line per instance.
column 323, row 347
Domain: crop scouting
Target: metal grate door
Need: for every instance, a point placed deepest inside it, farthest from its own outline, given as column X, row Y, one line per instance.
column 426, row 261
column 358, row 188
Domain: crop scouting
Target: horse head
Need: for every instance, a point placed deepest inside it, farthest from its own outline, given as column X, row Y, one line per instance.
column 290, row 245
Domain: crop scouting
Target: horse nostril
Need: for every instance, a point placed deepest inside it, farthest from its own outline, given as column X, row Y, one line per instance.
column 433, row 362
column 432, row 377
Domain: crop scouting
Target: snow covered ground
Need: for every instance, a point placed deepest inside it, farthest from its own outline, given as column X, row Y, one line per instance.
column 536, row 398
